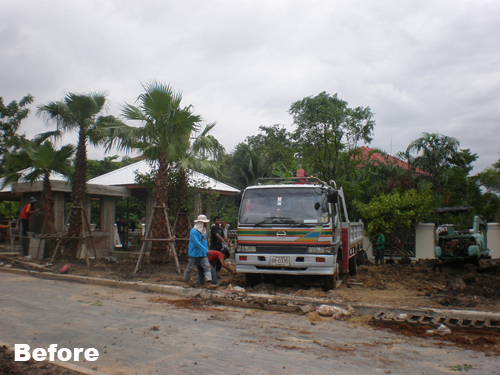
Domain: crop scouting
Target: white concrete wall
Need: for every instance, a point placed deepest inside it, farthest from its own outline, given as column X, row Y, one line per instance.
column 424, row 241
column 494, row 239
column 368, row 247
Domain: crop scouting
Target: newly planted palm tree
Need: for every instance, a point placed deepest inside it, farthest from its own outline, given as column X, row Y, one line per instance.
column 80, row 112
column 200, row 153
column 42, row 160
column 166, row 129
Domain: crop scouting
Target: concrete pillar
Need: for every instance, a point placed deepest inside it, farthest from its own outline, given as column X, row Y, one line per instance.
column 149, row 207
column 59, row 218
column 368, row 247
column 197, row 205
column 424, row 241
column 494, row 240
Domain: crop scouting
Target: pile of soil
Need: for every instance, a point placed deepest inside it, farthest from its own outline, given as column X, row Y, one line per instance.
column 454, row 286
column 10, row 367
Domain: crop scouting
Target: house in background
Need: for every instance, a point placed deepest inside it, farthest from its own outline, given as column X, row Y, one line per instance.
column 102, row 193
column 376, row 157
column 103, row 236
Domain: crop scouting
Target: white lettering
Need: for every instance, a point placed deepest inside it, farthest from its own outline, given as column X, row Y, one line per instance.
column 52, row 349
column 60, row 355
column 77, row 354
column 91, row 354
column 22, row 352
column 39, row 354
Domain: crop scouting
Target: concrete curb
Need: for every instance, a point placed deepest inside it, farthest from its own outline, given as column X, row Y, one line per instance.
column 66, row 365
column 361, row 308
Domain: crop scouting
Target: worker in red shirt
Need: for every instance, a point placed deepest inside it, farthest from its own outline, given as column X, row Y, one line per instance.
column 25, row 215
column 214, row 257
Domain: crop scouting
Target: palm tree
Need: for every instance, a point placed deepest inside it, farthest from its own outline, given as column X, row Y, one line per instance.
column 163, row 139
column 249, row 164
column 42, row 160
column 78, row 112
column 201, row 153
column 437, row 154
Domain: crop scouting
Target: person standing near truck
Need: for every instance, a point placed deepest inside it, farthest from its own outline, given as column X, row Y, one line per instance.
column 197, row 251
column 225, row 244
column 217, row 235
column 379, row 253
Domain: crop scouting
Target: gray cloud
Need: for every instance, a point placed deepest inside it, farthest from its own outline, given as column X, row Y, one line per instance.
column 421, row 66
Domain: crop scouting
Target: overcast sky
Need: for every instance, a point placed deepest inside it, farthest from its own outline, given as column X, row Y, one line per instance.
column 422, row 66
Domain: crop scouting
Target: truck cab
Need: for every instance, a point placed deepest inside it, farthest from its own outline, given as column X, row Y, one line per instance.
column 292, row 227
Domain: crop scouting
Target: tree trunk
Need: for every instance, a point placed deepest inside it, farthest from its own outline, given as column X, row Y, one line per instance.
column 78, row 194
column 48, row 204
column 183, row 227
column 159, row 230
column 48, row 208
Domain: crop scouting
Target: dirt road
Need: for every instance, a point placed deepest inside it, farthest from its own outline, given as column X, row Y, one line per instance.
column 138, row 333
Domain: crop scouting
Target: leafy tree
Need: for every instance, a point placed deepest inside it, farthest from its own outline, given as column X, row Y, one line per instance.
column 43, row 160
column 83, row 114
column 246, row 165
column 487, row 203
column 395, row 213
column 276, row 143
column 259, row 156
column 11, row 117
column 326, row 128
column 490, row 178
column 9, row 210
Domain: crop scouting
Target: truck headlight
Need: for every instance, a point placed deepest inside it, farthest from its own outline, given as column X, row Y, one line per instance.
column 319, row 249
column 247, row 249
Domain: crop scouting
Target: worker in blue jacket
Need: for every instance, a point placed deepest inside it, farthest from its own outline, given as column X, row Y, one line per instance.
column 197, row 251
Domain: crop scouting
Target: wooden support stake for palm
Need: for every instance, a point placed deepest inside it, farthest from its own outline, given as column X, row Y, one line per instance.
column 148, row 239
column 82, row 233
column 177, row 220
column 172, row 244
column 59, row 240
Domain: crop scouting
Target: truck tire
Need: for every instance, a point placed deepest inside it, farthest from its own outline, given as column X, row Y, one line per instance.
column 252, row 279
column 330, row 282
column 353, row 265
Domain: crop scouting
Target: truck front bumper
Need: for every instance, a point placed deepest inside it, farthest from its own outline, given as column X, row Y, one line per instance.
column 299, row 264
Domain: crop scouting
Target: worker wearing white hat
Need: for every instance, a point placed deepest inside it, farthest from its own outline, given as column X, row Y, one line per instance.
column 197, row 251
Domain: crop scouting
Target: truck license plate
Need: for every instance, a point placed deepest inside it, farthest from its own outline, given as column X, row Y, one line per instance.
column 280, row 261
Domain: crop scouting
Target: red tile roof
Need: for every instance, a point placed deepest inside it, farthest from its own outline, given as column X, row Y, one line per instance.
column 370, row 153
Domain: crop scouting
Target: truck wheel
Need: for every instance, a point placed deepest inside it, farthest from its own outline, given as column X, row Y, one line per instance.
column 330, row 282
column 353, row 265
column 252, row 279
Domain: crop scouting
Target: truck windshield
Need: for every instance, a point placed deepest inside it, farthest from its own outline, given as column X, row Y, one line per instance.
column 283, row 206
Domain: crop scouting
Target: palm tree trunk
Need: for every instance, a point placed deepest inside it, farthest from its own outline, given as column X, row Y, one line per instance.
column 182, row 229
column 78, row 193
column 159, row 249
column 48, row 204
column 48, row 208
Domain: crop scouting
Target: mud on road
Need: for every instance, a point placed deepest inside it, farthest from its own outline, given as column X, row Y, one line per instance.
column 415, row 285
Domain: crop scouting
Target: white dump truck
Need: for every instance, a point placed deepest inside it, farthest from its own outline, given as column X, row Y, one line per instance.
column 296, row 226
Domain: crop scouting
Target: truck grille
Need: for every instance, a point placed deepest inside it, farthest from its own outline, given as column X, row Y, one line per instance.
column 282, row 249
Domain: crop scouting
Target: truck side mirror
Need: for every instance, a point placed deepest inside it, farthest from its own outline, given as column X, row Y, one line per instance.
column 332, row 195
column 237, row 199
